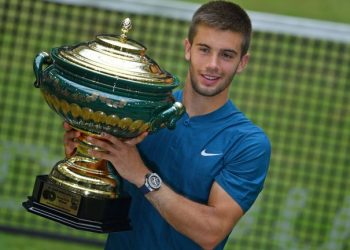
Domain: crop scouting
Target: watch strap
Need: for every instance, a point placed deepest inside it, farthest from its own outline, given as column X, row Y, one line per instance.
column 144, row 189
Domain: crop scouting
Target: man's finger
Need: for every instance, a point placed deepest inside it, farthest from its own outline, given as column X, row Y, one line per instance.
column 103, row 143
column 137, row 139
column 112, row 139
column 66, row 126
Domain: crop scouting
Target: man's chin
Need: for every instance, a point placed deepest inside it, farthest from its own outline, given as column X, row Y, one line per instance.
column 208, row 92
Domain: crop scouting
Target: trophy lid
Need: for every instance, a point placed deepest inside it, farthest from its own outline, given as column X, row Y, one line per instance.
column 118, row 57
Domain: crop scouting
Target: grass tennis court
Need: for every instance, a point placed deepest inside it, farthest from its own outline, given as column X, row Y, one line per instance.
column 19, row 242
column 297, row 89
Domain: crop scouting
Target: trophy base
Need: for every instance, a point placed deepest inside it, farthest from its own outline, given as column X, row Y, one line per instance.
column 84, row 213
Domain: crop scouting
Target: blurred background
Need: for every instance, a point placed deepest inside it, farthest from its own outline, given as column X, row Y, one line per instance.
column 296, row 87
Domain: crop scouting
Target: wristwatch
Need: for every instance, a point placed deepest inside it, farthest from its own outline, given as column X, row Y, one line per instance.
column 152, row 183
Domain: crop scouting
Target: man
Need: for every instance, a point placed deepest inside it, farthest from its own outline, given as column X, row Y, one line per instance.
column 213, row 165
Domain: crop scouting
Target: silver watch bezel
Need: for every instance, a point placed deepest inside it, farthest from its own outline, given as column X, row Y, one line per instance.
column 151, row 184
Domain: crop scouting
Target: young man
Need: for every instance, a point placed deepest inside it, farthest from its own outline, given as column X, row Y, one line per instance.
column 213, row 165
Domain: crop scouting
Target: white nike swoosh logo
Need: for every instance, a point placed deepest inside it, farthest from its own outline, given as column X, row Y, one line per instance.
column 204, row 153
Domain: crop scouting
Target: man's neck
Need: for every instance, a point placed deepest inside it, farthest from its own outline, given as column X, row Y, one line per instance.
column 197, row 104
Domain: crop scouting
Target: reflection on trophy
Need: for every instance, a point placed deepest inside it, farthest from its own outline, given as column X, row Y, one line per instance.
column 106, row 85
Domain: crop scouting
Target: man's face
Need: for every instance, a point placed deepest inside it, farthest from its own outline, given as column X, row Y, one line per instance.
column 215, row 57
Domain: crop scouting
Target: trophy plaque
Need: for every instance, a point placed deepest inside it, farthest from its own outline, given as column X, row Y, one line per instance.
column 105, row 85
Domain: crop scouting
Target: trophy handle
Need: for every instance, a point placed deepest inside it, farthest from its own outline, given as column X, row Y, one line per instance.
column 41, row 59
column 168, row 117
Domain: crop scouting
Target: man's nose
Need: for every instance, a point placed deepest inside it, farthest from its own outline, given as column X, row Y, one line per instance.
column 213, row 62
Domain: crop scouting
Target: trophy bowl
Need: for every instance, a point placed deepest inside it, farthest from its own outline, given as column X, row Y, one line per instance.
column 106, row 85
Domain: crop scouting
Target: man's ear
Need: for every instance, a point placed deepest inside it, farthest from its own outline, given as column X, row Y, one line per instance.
column 187, row 46
column 243, row 63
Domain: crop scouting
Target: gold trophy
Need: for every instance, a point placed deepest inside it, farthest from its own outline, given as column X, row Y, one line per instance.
column 105, row 85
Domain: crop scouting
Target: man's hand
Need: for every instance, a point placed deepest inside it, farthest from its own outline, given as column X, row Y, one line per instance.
column 123, row 155
column 70, row 144
column 206, row 224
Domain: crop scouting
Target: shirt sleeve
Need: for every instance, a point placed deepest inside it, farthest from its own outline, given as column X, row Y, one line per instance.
column 245, row 169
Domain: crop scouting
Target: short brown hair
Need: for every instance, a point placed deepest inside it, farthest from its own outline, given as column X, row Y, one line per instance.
column 223, row 15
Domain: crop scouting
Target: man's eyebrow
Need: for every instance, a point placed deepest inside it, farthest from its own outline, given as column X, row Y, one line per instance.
column 224, row 50
column 202, row 44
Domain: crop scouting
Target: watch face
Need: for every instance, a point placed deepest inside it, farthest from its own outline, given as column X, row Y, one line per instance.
column 154, row 181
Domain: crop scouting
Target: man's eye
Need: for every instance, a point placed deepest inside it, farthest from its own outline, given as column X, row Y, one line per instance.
column 204, row 50
column 227, row 55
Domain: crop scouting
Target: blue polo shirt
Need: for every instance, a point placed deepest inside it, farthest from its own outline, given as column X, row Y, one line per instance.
column 222, row 146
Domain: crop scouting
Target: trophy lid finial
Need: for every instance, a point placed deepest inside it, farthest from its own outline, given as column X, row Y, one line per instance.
column 126, row 26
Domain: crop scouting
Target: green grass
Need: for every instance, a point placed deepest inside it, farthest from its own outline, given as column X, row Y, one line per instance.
column 20, row 242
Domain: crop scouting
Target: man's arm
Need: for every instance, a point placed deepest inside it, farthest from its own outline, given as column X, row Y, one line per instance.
column 206, row 224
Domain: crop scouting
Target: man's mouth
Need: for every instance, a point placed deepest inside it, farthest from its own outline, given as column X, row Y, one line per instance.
column 210, row 77
column 210, row 80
